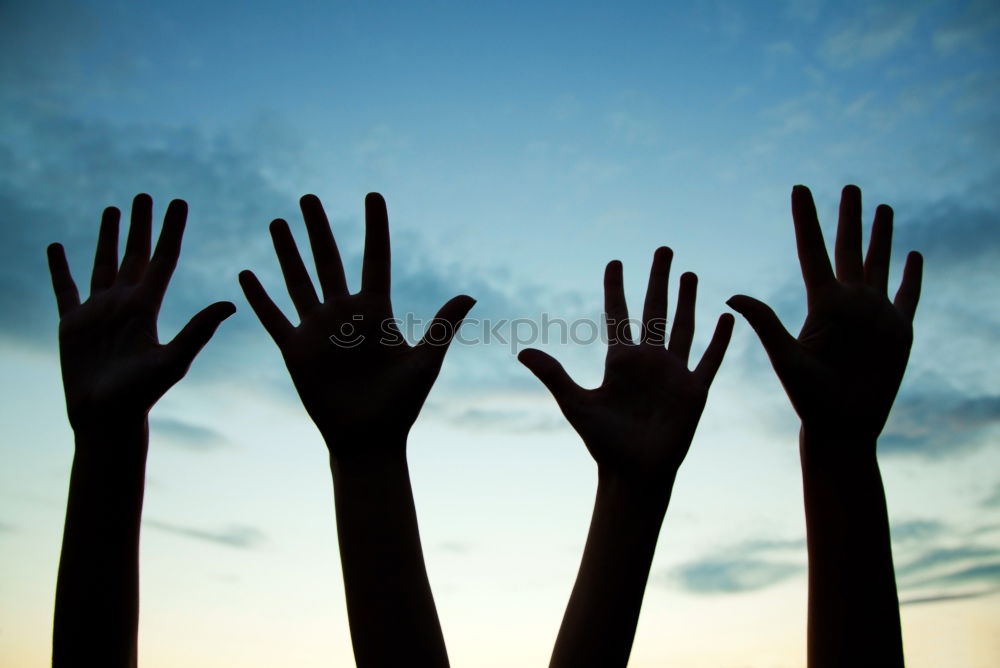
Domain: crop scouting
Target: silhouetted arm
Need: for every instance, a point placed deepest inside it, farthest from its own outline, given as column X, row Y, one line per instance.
column 363, row 386
column 114, row 369
column 638, row 426
column 842, row 374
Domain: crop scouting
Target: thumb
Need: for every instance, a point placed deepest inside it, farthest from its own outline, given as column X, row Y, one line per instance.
column 777, row 342
column 443, row 327
column 190, row 340
column 548, row 370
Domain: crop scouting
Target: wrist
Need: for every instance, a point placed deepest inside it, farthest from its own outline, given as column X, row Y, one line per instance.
column 647, row 497
column 366, row 455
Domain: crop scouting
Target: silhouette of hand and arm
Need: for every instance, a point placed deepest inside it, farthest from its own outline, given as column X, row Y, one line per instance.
column 638, row 426
column 114, row 369
column 841, row 375
column 364, row 388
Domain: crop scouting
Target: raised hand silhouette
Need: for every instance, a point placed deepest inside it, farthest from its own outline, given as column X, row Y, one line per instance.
column 114, row 369
column 849, row 357
column 363, row 385
column 638, row 426
column 842, row 374
column 356, row 374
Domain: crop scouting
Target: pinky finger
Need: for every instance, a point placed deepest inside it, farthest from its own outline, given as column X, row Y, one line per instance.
column 67, row 296
column 274, row 321
column 909, row 289
column 712, row 359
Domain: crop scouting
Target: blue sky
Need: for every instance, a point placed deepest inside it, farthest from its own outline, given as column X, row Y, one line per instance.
column 520, row 147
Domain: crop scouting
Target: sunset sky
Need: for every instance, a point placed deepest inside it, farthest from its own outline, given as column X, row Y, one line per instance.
column 519, row 147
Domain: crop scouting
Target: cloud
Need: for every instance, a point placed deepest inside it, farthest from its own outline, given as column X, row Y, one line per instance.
column 915, row 530
column 980, row 573
column 939, row 425
column 513, row 420
column 939, row 598
column 754, row 568
column 877, row 33
column 242, row 537
column 717, row 576
column 943, row 557
column 187, row 435
column 993, row 500
column 970, row 29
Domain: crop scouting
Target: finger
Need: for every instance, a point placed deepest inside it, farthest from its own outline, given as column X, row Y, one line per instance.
column 189, row 341
column 909, row 289
column 683, row 330
column 67, row 297
column 615, row 310
column 654, row 310
column 375, row 272
column 329, row 268
column 809, row 240
column 847, row 250
column 712, row 359
column 879, row 249
column 300, row 286
column 777, row 342
column 106, row 257
column 268, row 313
column 137, row 246
column 168, row 249
column 443, row 327
column 552, row 374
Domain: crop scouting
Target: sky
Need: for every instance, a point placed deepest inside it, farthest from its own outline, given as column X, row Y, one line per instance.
column 520, row 146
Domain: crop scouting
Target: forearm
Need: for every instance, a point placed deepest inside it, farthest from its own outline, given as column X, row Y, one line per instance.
column 853, row 607
column 600, row 620
column 97, row 593
column 389, row 601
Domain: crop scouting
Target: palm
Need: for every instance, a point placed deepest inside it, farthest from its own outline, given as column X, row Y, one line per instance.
column 640, row 421
column 354, row 372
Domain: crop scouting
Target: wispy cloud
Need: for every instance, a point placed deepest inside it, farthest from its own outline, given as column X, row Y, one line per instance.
column 242, row 537
column 757, row 564
column 940, row 598
column 724, row 576
column 875, row 34
column 187, row 435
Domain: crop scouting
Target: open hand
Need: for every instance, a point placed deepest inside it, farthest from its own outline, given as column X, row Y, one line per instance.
column 114, row 367
column 359, row 379
column 639, row 423
column 844, row 369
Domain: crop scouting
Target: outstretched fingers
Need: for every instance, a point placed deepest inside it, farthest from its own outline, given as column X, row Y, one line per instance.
column 375, row 271
column 813, row 258
column 615, row 309
column 654, row 311
column 67, row 296
column 712, row 359
column 136, row 256
column 297, row 280
column 270, row 316
column 879, row 250
column 909, row 289
column 106, row 256
column 682, row 332
column 168, row 249
column 847, row 250
column 329, row 267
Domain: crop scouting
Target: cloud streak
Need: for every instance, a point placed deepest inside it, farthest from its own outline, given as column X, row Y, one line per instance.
column 236, row 536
